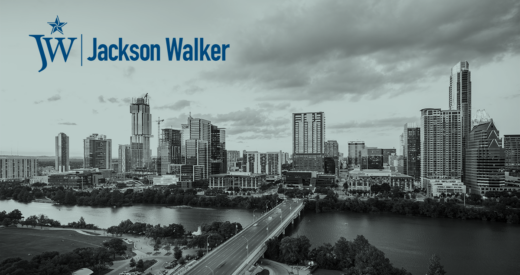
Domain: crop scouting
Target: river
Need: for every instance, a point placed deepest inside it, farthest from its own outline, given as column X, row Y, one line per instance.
column 465, row 247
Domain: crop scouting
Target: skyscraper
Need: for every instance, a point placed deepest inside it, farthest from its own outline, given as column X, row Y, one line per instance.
column 441, row 144
column 125, row 159
column 309, row 133
column 411, row 139
column 185, row 135
column 512, row 152
column 172, row 138
column 198, row 145
column 218, row 150
column 331, row 148
column 485, row 158
column 232, row 159
column 198, row 153
column 308, row 141
column 62, row 153
column 97, row 152
column 354, row 152
column 141, row 132
column 460, row 94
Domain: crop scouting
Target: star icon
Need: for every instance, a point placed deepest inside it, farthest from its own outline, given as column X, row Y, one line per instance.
column 57, row 25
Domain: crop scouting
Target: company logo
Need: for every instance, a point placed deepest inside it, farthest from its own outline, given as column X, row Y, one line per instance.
column 177, row 50
column 56, row 26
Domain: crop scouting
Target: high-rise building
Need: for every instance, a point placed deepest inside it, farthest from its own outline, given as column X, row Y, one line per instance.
column 125, row 159
column 18, row 167
column 441, row 144
column 331, row 148
column 269, row 163
column 233, row 157
column 512, row 152
column 62, row 153
column 185, row 135
column 218, row 150
column 485, row 159
column 169, row 149
column 386, row 155
column 141, row 133
column 460, row 94
column 309, row 133
column 354, row 152
column 172, row 138
column 198, row 153
column 97, row 152
column 411, row 139
column 163, row 158
column 308, row 141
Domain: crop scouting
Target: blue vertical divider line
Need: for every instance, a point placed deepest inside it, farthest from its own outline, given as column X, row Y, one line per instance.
column 82, row 50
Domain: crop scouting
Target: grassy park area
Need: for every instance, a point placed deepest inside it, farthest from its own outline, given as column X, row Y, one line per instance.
column 26, row 243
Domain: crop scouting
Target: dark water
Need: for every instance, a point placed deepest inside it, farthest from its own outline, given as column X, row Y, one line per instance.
column 465, row 247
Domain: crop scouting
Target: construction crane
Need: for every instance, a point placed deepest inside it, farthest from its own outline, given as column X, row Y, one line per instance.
column 159, row 120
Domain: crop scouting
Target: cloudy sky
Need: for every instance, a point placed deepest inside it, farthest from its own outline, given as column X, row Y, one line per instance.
column 369, row 65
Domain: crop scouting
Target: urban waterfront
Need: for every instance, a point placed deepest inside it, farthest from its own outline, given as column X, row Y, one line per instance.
column 465, row 247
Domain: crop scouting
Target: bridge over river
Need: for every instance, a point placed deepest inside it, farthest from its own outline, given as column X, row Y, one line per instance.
column 241, row 251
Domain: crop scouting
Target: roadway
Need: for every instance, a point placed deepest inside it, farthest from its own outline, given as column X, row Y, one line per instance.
column 233, row 253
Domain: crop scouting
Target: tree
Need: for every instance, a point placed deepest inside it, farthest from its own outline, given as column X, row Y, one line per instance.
column 31, row 220
column 140, row 264
column 15, row 215
column 177, row 254
column 82, row 222
column 435, row 267
column 116, row 246
column 132, row 262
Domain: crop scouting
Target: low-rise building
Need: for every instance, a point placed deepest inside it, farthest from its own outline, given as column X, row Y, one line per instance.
column 300, row 179
column 323, row 180
column 165, row 180
column 237, row 179
column 39, row 179
column 436, row 187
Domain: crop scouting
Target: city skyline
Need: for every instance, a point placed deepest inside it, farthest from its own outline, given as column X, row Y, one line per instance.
column 395, row 77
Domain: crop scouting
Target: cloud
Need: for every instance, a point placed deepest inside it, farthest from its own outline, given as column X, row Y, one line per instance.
column 67, row 123
column 113, row 100
column 101, row 99
column 512, row 96
column 193, row 89
column 95, row 112
column 55, row 97
column 392, row 122
column 128, row 72
column 330, row 50
column 189, row 90
column 274, row 107
column 179, row 105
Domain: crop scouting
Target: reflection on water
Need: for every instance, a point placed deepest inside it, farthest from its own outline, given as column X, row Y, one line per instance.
column 465, row 247
column 105, row 217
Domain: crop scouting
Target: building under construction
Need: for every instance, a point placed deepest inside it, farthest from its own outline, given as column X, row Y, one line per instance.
column 141, row 154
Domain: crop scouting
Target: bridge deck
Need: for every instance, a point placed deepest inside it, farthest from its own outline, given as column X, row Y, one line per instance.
column 231, row 254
